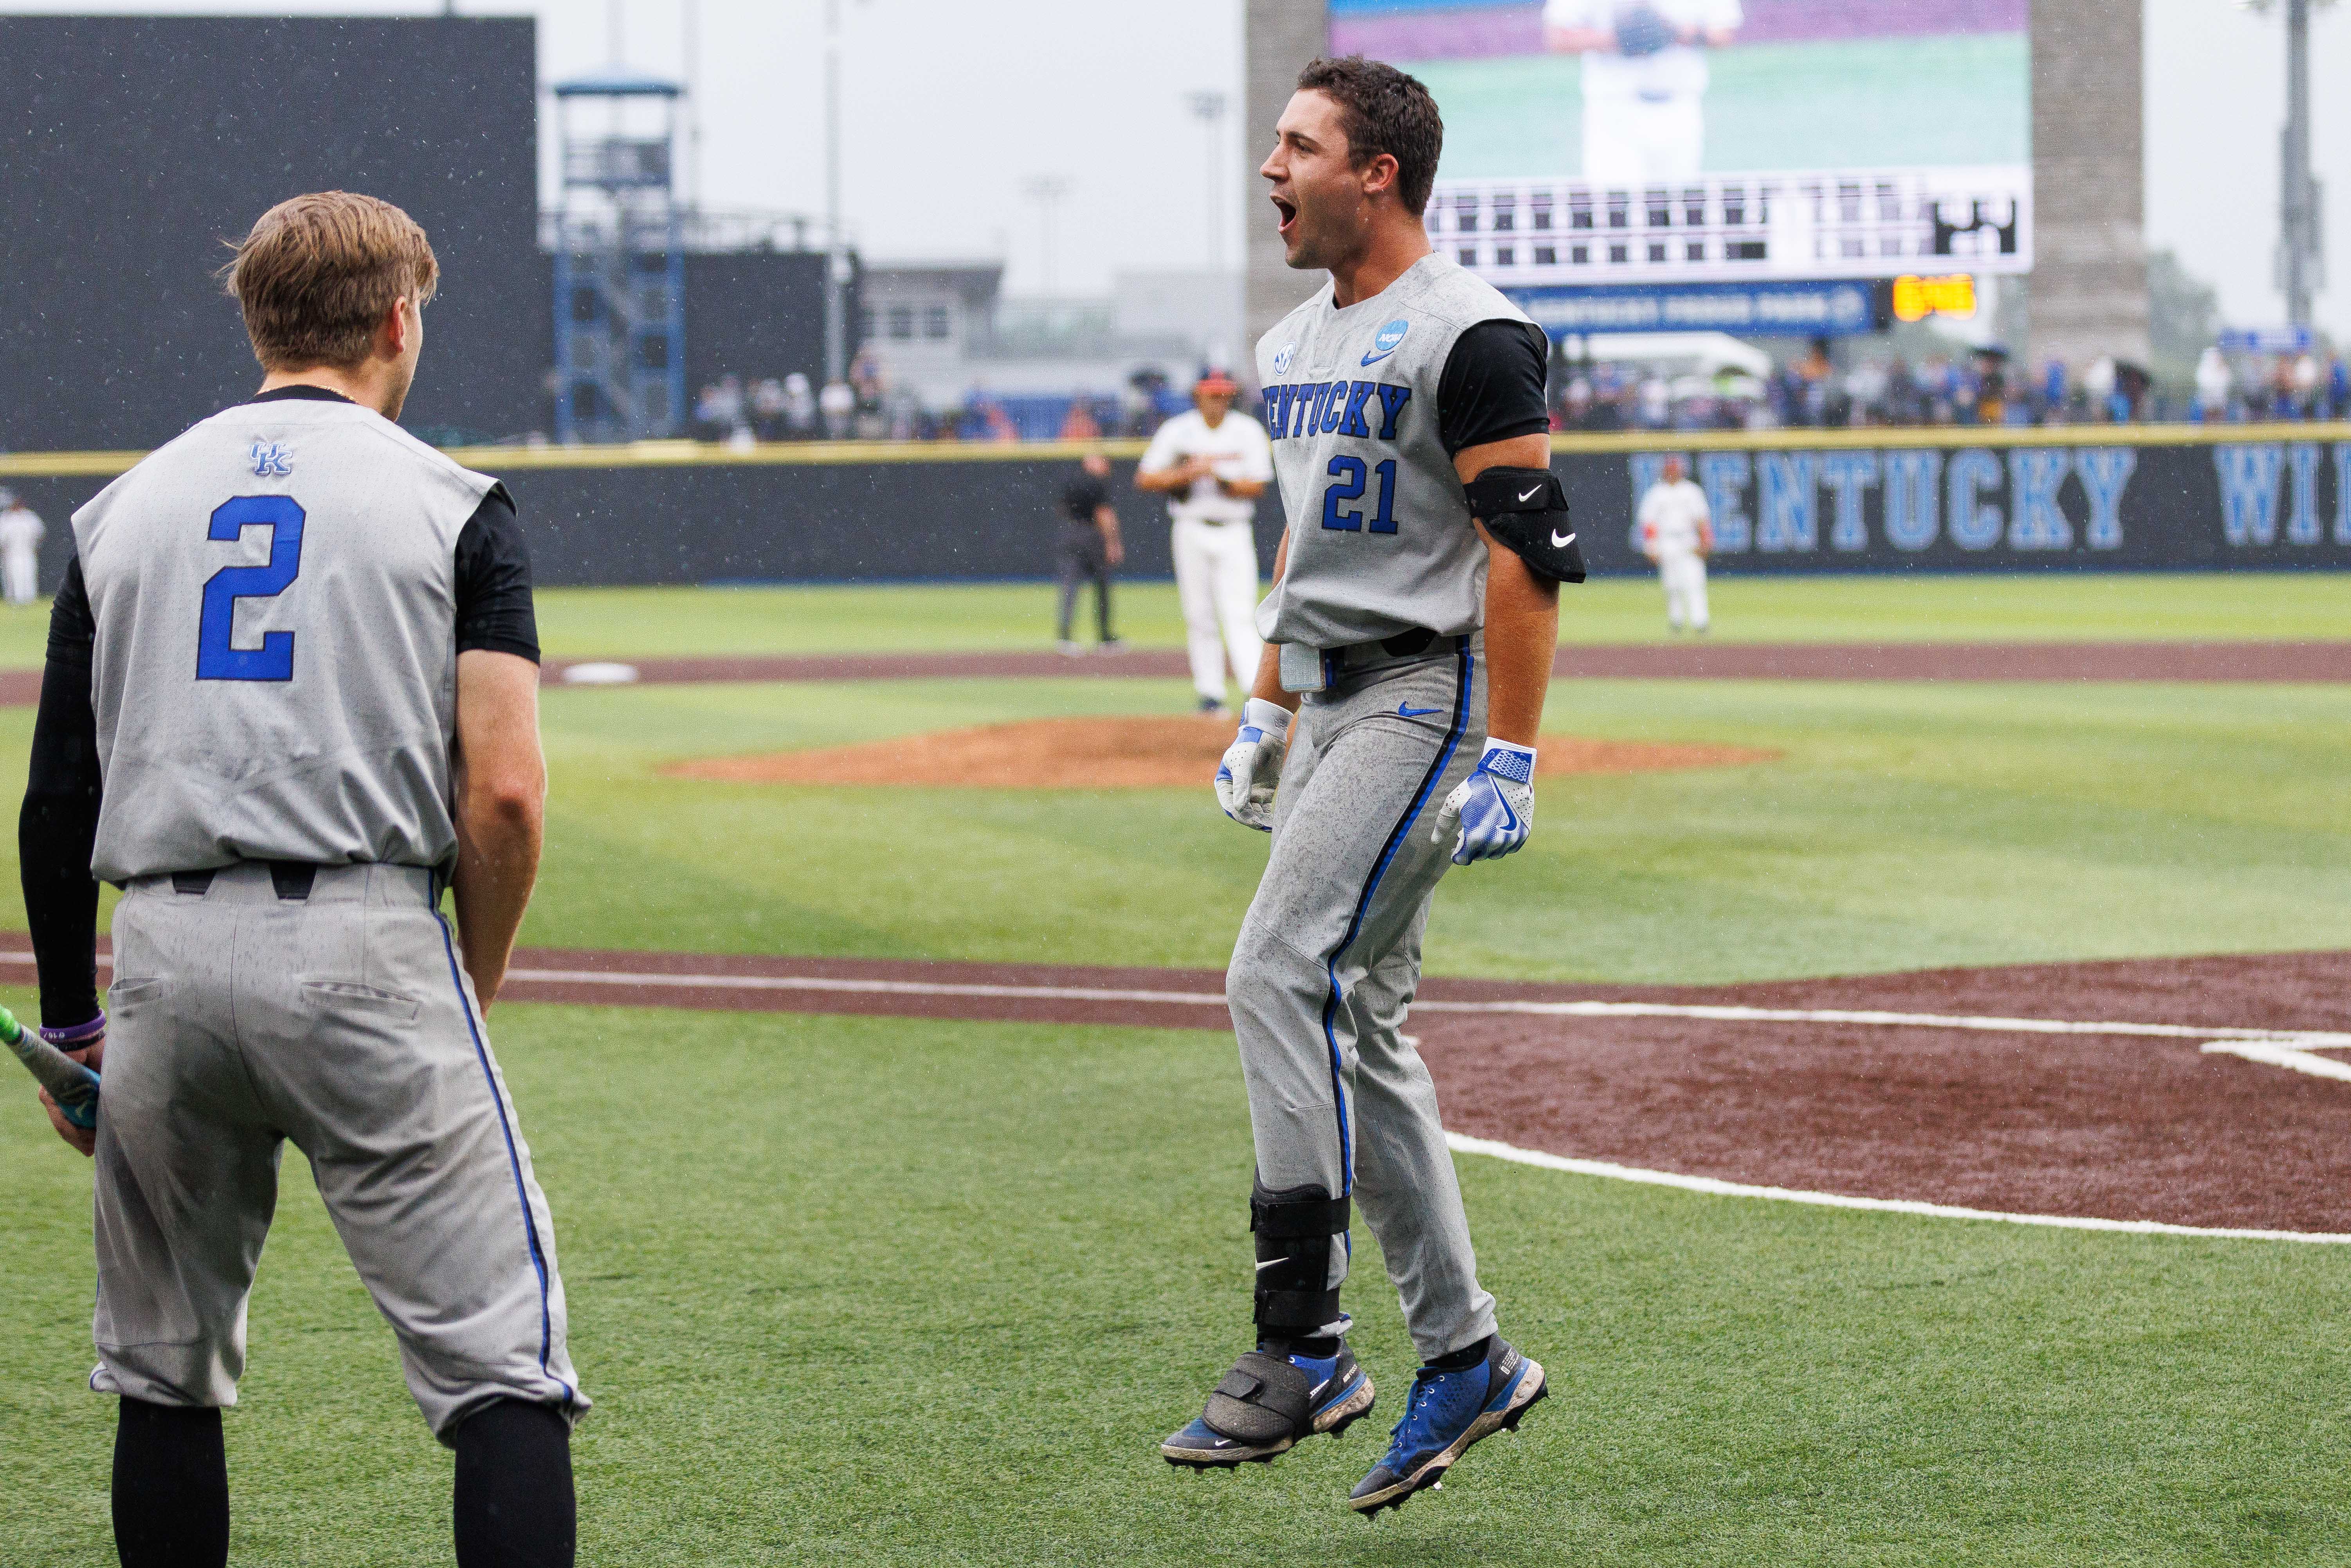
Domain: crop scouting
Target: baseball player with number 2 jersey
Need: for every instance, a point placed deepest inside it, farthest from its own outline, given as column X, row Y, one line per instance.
column 291, row 699
column 1411, row 628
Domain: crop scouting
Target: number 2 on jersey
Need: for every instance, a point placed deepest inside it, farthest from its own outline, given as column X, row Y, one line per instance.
column 273, row 660
column 1349, row 473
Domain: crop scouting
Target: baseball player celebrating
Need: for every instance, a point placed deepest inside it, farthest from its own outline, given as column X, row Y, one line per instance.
column 1212, row 464
column 21, row 532
column 1411, row 628
column 1677, row 534
column 292, row 696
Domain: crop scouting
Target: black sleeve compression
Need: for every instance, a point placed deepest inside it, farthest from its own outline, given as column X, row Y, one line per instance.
column 493, row 605
column 1492, row 387
column 58, row 828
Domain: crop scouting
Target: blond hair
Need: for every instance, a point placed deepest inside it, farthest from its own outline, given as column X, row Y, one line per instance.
column 317, row 274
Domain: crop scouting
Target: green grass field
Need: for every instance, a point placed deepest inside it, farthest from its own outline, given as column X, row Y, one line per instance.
column 888, row 1292
column 657, row 622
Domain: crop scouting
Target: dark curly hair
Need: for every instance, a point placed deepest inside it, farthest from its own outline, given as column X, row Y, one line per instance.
column 1383, row 110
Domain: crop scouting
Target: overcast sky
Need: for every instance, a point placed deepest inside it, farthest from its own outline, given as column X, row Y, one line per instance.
column 955, row 107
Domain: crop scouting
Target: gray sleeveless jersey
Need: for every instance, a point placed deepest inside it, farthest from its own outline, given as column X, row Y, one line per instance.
column 275, row 667
column 1380, row 540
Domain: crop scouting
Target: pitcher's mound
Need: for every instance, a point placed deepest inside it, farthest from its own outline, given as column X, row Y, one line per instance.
column 1122, row 753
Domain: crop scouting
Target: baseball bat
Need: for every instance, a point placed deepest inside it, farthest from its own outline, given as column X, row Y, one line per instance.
column 73, row 1086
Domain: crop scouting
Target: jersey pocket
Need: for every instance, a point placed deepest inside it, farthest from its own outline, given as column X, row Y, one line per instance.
column 346, row 997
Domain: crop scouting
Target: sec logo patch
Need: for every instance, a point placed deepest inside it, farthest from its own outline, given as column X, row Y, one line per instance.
column 1385, row 343
column 1281, row 357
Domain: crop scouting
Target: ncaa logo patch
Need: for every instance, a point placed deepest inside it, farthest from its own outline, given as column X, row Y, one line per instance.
column 1281, row 357
column 1385, row 343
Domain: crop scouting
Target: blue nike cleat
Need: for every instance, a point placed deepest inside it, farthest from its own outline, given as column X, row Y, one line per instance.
column 1447, row 1412
column 1266, row 1404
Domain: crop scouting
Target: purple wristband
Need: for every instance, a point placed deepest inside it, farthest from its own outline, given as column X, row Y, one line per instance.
column 74, row 1035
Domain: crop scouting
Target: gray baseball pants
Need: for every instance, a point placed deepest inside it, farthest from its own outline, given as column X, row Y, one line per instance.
column 1329, row 959
column 239, row 1019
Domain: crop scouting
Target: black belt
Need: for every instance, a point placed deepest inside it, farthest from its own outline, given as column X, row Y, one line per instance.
column 1402, row 646
column 291, row 879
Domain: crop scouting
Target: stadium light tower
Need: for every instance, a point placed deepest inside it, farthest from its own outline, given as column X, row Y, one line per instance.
column 620, row 261
column 1210, row 109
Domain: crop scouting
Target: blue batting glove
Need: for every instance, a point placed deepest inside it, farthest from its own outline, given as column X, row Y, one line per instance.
column 1491, row 812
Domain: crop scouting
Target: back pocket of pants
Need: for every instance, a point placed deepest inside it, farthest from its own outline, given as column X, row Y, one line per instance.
column 347, row 996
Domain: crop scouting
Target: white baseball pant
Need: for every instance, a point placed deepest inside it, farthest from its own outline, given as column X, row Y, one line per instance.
column 1685, row 579
column 1216, row 579
column 22, row 570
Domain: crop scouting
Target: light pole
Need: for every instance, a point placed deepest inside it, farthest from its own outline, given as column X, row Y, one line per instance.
column 690, row 46
column 2299, row 263
column 836, row 262
column 1046, row 191
column 2301, row 252
column 1210, row 109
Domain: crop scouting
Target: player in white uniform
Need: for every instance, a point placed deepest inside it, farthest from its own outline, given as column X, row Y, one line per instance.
column 1644, row 80
column 1677, row 534
column 20, row 549
column 1212, row 464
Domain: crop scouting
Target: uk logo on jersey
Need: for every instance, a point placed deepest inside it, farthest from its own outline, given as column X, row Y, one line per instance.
column 272, row 461
column 1281, row 357
column 1385, row 343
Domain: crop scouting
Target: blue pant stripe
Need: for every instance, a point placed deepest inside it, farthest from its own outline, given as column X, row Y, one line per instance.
column 514, row 1160
column 1333, row 998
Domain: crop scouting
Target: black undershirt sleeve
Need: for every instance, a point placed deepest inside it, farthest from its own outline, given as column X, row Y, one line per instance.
column 57, row 829
column 494, row 603
column 1492, row 387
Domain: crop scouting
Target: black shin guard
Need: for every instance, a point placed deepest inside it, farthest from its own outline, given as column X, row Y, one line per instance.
column 171, row 1487
column 515, row 1504
column 1294, row 1228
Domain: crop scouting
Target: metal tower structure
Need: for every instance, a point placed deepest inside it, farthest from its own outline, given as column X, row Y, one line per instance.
column 620, row 261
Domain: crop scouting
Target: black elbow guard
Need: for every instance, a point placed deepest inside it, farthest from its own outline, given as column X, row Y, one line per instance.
column 1527, row 511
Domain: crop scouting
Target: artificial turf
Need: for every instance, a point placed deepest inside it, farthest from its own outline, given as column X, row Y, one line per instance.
column 640, row 623
column 1905, row 826
column 889, row 1291
column 656, row 622
column 883, row 1292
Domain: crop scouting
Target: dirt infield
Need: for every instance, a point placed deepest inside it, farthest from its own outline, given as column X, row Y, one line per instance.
column 2297, row 662
column 1953, row 1086
column 2110, row 1125
column 1115, row 753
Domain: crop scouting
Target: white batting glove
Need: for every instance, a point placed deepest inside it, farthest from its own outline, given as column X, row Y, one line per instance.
column 1252, row 765
column 1491, row 812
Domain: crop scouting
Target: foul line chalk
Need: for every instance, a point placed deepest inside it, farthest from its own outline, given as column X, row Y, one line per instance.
column 2281, row 1055
column 1712, row 1188
column 2307, row 1039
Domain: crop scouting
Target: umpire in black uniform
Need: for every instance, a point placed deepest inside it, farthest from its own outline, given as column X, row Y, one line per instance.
column 1089, row 550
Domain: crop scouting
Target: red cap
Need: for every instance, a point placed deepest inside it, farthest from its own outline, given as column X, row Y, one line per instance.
column 1214, row 380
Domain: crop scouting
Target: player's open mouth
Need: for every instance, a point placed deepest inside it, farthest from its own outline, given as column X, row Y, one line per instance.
column 1287, row 211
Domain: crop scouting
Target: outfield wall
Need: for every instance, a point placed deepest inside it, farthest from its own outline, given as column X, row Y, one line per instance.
column 2093, row 498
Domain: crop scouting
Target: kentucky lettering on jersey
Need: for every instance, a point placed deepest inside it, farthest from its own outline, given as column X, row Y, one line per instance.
column 1345, row 408
column 1380, row 540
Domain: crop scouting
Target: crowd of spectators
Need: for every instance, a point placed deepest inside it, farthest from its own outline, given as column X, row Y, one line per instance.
column 1963, row 387
column 867, row 407
column 1980, row 387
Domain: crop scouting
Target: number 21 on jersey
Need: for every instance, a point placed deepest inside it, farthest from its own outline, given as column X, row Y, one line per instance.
column 216, row 660
column 1348, row 476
